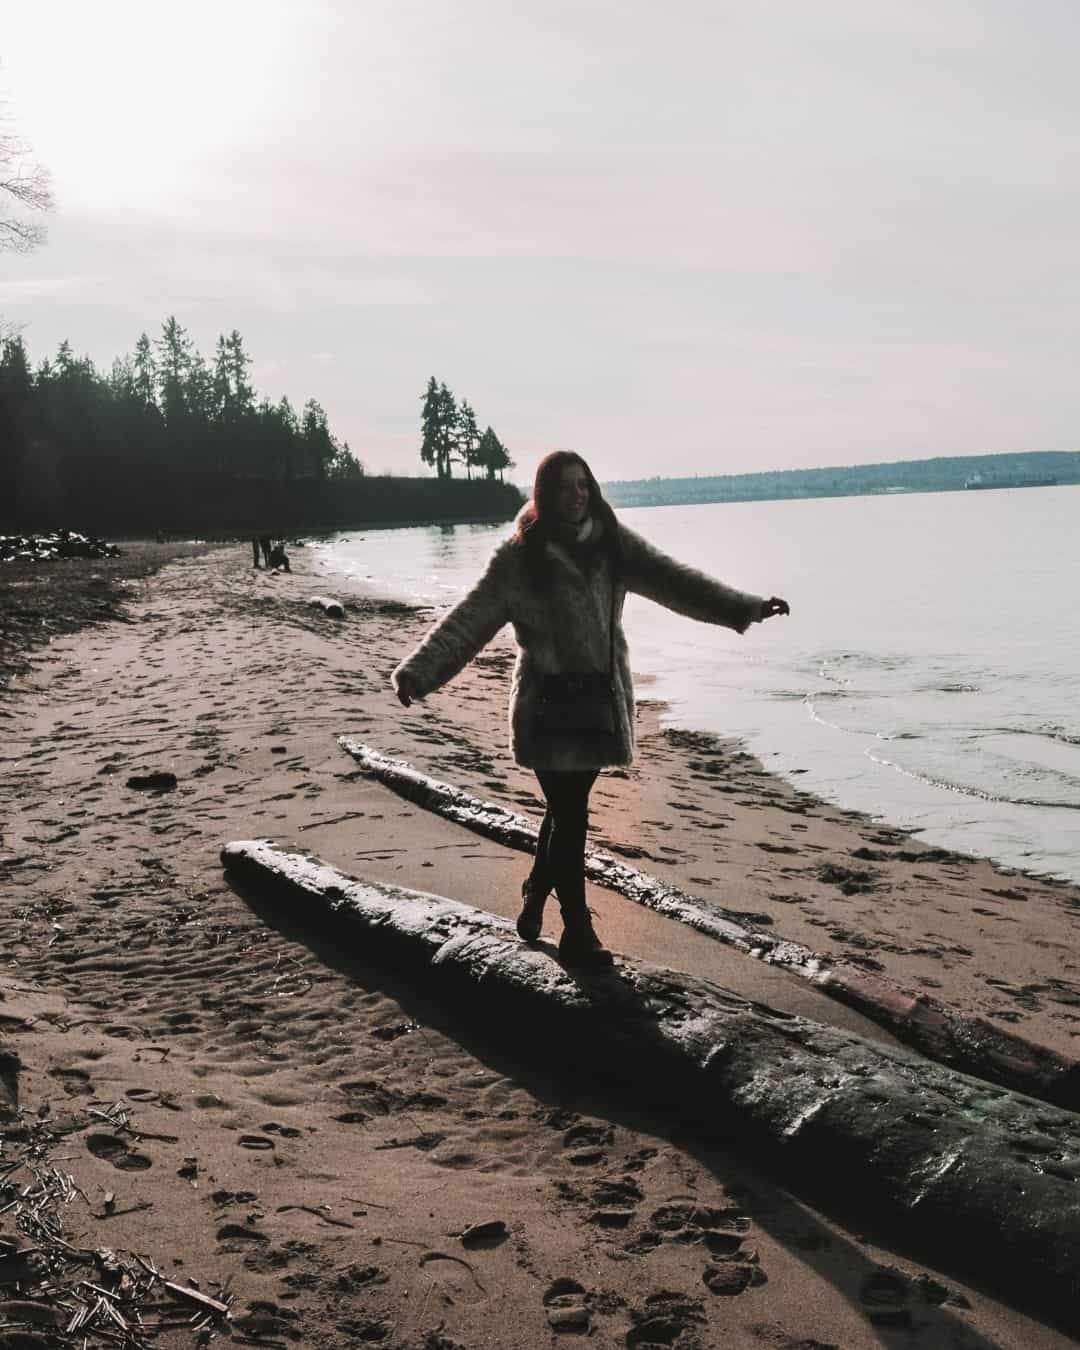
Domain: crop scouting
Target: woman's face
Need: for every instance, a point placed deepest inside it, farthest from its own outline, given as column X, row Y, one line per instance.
column 573, row 494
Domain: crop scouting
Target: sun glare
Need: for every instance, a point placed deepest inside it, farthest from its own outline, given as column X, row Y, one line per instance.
column 121, row 100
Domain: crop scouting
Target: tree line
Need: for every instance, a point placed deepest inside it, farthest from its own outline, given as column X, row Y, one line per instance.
column 167, row 440
column 945, row 473
column 451, row 432
column 164, row 426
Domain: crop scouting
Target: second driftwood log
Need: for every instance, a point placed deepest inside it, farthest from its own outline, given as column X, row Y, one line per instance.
column 965, row 1041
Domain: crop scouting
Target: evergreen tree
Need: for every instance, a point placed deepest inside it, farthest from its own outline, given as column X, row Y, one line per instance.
column 429, row 425
column 174, row 359
column 16, row 420
column 76, row 445
column 504, row 460
column 468, row 437
column 243, row 394
column 317, row 445
column 199, row 389
column 145, row 369
column 289, row 437
column 222, row 383
column 344, row 465
column 448, row 431
column 493, row 455
column 65, row 360
column 73, row 400
column 235, row 434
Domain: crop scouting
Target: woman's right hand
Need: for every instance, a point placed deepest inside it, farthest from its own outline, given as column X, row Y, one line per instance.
column 405, row 689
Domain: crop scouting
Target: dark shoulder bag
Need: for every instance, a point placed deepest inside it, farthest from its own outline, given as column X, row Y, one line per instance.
column 579, row 706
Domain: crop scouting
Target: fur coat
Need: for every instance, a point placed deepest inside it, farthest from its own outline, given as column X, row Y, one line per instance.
column 564, row 627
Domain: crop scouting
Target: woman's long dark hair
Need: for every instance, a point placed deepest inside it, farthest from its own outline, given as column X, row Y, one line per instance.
column 540, row 520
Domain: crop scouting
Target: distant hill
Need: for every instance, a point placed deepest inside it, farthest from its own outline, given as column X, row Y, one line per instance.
column 947, row 474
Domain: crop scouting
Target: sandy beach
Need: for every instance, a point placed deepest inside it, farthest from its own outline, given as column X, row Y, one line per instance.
column 311, row 1136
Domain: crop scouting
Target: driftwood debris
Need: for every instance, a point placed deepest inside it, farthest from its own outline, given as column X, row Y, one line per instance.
column 963, row 1041
column 127, row 1301
column 332, row 608
column 196, row 1296
column 986, row 1177
column 85, row 1294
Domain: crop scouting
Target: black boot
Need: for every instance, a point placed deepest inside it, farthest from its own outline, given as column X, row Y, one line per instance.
column 580, row 945
column 531, row 918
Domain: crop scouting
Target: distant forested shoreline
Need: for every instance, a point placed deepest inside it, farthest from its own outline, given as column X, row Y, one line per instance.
column 167, row 442
column 942, row 474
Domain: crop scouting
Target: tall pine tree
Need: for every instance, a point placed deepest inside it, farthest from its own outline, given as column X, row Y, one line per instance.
column 429, row 425
column 468, row 437
column 448, row 431
column 174, row 359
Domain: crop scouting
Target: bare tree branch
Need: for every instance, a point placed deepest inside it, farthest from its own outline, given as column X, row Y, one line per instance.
column 25, row 186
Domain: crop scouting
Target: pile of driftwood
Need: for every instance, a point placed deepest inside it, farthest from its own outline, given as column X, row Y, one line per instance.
column 54, row 1292
column 59, row 544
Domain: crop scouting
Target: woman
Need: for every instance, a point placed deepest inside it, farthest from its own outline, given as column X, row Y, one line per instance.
column 561, row 580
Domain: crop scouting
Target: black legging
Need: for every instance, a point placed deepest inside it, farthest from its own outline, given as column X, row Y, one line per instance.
column 560, row 849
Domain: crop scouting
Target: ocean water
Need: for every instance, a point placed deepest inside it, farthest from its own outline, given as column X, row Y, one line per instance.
column 929, row 673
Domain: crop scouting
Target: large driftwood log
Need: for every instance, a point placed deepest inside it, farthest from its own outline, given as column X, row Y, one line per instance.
column 964, row 1041
column 988, row 1176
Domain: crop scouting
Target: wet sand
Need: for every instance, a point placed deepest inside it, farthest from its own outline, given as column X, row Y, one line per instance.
column 326, row 1131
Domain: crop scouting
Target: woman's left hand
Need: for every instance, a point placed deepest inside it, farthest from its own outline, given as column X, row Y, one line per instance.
column 773, row 606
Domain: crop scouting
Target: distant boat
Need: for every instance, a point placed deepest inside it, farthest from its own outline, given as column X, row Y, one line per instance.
column 976, row 480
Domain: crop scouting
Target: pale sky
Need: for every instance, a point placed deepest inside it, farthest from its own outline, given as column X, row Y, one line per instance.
column 691, row 237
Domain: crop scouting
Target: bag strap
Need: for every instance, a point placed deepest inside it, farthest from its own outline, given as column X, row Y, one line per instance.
column 611, row 630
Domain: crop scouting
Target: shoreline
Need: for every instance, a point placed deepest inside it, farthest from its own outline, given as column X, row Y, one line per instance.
column 888, row 758
column 141, row 976
column 707, row 755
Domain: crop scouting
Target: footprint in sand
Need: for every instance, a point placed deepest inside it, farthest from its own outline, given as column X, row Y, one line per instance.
column 115, row 1150
column 567, row 1307
column 732, row 1277
column 75, row 1082
column 454, row 1276
column 582, row 1135
column 615, row 1203
column 667, row 1319
column 224, row 1198
column 888, row 1295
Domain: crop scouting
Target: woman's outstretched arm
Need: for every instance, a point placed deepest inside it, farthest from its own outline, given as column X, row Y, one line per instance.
column 459, row 635
column 684, row 589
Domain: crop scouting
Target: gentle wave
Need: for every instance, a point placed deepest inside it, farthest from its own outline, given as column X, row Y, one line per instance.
column 965, row 790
